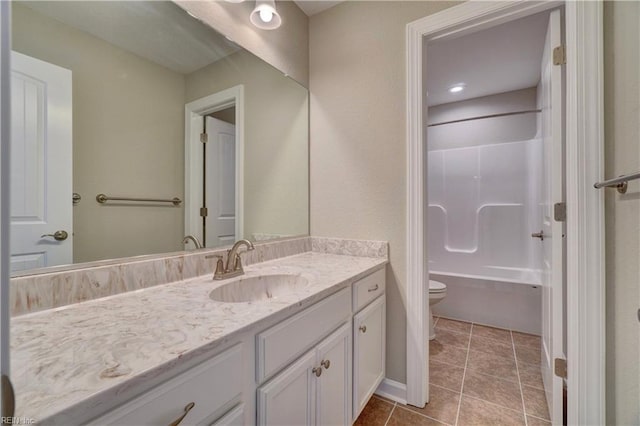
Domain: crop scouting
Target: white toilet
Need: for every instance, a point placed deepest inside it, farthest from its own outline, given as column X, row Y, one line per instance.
column 437, row 292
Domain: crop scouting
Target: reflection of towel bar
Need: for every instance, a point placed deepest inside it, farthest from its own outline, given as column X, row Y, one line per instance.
column 101, row 198
column 620, row 182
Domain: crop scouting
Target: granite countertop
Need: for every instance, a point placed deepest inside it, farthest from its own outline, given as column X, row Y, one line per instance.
column 69, row 360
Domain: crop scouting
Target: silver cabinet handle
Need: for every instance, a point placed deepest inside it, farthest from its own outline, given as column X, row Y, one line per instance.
column 538, row 235
column 325, row 363
column 373, row 288
column 58, row 235
column 188, row 408
column 363, row 328
column 317, row 371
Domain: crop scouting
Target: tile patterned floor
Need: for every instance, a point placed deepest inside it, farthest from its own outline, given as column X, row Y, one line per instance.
column 478, row 376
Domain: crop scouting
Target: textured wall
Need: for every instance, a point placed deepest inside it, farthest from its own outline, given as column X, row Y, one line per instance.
column 286, row 48
column 128, row 132
column 622, row 155
column 358, row 185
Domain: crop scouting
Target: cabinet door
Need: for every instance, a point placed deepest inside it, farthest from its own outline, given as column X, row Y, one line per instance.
column 289, row 398
column 368, row 352
column 334, row 384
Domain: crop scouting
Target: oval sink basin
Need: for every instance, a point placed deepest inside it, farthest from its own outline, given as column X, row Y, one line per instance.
column 258, row 288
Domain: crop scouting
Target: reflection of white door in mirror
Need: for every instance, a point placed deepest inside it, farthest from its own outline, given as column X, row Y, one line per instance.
column 220, row 177
column 41, row 164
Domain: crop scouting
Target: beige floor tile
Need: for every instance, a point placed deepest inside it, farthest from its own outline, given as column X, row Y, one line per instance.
column 480, row 413
column 490, row 346
column 445, row 375
column 528, row 354
column 530, row 375
column 534, row 421
column 524, row 339
column 442, row 406
column 497, row 334
column 448, row 354
column 491, row 389
column 404, row 417
column 375, row 413
column 535, row 402
column 448, row 337
column 493, row 365
column 454, row 325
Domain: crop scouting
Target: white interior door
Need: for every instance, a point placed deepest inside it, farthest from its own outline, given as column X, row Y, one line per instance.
column 41, row 163
column 220, row 179
column 553, row 257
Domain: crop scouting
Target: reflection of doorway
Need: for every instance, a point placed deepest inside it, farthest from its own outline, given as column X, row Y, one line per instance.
column 41, row 186
column 214, row 167
column 219, row 179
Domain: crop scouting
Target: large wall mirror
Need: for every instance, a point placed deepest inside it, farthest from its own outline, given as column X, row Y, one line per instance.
column 111, row 102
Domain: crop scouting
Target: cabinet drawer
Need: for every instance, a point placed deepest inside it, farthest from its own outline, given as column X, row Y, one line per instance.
column 200, row 385
column 281, row 344
column 367, row 289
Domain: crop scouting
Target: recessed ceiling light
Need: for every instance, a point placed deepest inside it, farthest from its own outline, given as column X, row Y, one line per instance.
column 456, row 88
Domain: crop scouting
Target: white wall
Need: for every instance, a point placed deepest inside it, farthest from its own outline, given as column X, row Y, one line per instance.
column 622, row 155
column 357, row 176
column 479, row 132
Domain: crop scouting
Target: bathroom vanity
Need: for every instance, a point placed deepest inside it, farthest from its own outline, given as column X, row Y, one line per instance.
column 309, row 351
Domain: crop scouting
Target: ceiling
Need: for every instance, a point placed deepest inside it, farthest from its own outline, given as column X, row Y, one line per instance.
column 141, row 27
column 496, row 60
column 311, row 7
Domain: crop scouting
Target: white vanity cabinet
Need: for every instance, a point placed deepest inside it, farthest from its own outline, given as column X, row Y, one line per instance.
column 369, row 342
column 209, row 393
column 314, row 390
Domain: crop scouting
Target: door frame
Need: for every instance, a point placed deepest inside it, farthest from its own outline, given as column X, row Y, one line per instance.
column 5, row 163
column 585, row 205
column 193, row 156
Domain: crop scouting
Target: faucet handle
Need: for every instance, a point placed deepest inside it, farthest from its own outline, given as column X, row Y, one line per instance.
column 219, row 265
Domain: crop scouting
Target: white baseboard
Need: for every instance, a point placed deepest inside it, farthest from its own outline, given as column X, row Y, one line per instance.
column 393, row 390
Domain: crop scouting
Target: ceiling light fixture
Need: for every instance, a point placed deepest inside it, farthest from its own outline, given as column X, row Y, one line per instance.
column 265, row 16
column 456, row 88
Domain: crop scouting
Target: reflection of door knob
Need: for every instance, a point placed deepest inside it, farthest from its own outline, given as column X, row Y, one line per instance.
column 58, row 235
column 538, row 235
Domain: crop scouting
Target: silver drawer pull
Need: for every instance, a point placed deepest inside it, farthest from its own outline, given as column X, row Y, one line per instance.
column 188, row 408
column 373, row 288
column 363, row 328
column 325, row 363
column 317, row 371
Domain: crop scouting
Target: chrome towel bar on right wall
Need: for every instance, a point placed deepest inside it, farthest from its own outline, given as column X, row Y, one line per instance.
column 620, row 183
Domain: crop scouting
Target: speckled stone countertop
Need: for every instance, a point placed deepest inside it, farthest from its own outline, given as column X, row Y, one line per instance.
column 69, row 361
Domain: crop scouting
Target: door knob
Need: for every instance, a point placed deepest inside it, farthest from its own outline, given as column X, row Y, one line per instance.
column 538, row 235
column 58, row 235
column 363, row 328
column 325, row 363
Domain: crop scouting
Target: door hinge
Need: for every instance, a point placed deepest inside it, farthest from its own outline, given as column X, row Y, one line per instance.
column 204, row 138
column 560, row 367
column 559, row 55
column 204, row 212
column 560, row 212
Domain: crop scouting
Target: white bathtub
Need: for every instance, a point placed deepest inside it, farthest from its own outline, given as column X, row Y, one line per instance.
column 509, row 299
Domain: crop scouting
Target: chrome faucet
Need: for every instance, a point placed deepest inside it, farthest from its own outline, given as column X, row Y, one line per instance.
column 233, row 267
column 195, row 240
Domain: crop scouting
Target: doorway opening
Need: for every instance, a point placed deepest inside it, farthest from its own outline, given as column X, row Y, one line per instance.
column 584, row 207
column 494, row 171
column 214, row 150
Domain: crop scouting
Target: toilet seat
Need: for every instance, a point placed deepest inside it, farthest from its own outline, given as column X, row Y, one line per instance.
column 436, row 287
